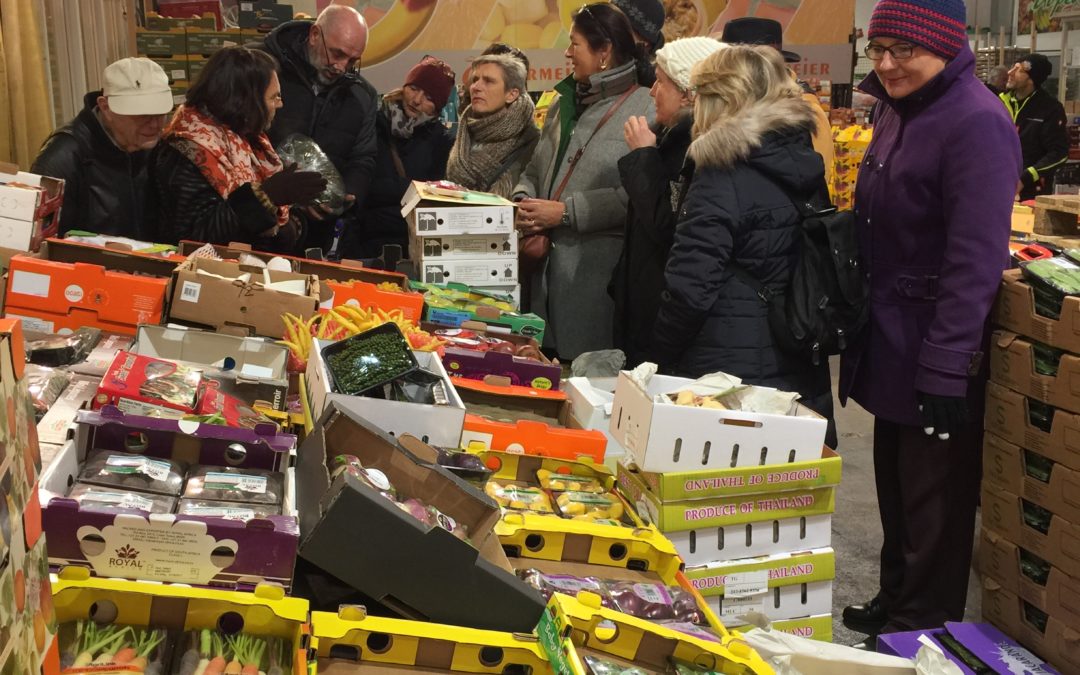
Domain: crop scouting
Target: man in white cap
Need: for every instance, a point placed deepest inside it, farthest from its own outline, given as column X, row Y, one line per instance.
column 102, row 154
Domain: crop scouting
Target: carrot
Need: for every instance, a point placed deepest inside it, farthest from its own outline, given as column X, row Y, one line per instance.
column 125, row 655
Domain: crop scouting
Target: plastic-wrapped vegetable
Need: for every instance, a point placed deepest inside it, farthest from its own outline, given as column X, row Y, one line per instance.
column 549, row 584
column 88, row 647
column 133, row 472
column 46, row 385
column 1052, row 279
column 308, row 156
column 654, row 601
column 94, row 498
column 373, row 478
column 519, row 497
column 566, row 483
column 62, row 350
column 227, row 510
column 207, row 651
column 433, row 517
column 589, row 506
column 1047, row 359
column 699, row 632
column 599, row 666
column 229, row 484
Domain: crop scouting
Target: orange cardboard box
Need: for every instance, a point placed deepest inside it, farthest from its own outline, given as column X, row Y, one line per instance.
column 55, row 291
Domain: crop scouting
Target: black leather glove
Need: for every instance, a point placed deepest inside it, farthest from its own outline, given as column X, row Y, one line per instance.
column 942, row 415
column 289, row 186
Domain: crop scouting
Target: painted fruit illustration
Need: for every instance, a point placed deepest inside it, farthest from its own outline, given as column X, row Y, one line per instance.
column 394, row 24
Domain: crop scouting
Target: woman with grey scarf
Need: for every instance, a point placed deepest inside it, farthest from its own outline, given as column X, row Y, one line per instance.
column 571, row 190
column 497, row 133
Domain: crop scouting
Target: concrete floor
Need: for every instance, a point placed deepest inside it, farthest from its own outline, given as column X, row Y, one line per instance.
column 856, row 526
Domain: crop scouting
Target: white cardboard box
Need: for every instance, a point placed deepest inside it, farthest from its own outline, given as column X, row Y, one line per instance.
column 473, row 272
column 429, row 214
column 668, row 437
column 591, row 400
column 438, row 425
column 465, row 247
column 778, row 603
column 767, row 537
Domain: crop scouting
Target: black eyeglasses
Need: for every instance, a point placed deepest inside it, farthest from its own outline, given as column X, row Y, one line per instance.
column 901, row 51
column 350, row 64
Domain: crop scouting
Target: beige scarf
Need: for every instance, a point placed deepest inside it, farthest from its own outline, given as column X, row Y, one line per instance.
column 484, row 144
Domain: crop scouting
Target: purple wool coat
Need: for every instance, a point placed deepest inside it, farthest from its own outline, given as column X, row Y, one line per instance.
column 933, row 205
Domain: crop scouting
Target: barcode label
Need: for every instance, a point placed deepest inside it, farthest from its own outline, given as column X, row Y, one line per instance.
column 236, row 481
column 189, row 292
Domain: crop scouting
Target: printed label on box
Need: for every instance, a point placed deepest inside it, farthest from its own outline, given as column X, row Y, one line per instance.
column 746, row 584
column 127, row 500
column 189, row 291
column 128, row 464
column 228, row 513
column 735, row 607
column 30, row 283
column 32, row 323
column 134, row 407
column 235, row 481
column 74, row 293
column 156, row 549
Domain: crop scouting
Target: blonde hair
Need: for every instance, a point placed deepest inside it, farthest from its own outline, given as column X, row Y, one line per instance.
column 734, row 78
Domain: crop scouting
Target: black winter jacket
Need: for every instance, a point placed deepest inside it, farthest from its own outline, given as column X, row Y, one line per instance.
column 340, row 117
column 1044, row 141
column 736, row 212
column 105, row 189
column 647, row 175
column 423, row 157
column 192, row 209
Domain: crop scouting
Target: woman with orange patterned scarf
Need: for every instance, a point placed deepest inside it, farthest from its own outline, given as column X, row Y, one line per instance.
column 216, row 175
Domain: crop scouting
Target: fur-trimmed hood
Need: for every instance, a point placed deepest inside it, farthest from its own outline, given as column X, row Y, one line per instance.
column 740, row 137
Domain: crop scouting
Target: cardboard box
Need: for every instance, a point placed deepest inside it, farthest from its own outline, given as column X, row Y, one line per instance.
column 264, row 15
column 264, row 611
column 476, row 365
column 818, row 628
column 113, row 258
column 350, row 283
column 464, row 247
column 1047, row 636
column 767, row 537
column 29, row 208
column 102, row 356
column 782, row 603
column 141, row 385
column 672, row 438
column 1015, row 311
column 1012, row 364
column 572, row 628
column 208, row 42
column 175, row 67
column 63, row 295
column 985, row 642
column 365, row 540
column 343, row 646
column 1058, row 543
column 439, row 425
column 183, row 549
column 758, row 575
column 532, row 438
column 1008, row 415
column 1020, row 472
column 224, row 304
column 155, row 21
column 161, row 43
column 725, row 510
column 251, row 369
column 1015, row 569
column 429, row 214
column 591, row 400
column 474, row 272
column 693, row 485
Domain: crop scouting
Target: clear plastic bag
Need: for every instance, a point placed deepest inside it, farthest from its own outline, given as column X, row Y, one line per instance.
column 653, row 601
column 46, row 385
column 229, row 484
column 133, row 472
column 308, row 156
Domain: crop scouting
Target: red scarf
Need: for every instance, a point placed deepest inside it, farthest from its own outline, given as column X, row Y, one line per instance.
column 226, row 159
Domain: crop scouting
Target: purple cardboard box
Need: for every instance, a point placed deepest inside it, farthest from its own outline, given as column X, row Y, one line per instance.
column 198, row 550
column 520, row 371
column 1001, row 653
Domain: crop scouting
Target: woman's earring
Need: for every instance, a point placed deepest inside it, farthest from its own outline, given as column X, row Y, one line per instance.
column 603, row 65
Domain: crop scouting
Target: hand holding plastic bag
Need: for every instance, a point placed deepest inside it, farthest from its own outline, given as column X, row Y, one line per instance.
column 308, row 156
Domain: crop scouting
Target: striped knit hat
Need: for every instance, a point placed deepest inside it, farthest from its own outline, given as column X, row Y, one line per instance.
column 938, row 25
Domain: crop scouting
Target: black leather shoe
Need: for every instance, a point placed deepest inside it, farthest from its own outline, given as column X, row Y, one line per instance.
column 869, row 618
column 867, row 645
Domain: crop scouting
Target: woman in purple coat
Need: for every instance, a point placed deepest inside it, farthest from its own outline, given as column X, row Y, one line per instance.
column 933, row 204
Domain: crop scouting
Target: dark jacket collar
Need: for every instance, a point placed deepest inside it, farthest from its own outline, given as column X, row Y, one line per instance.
column 961, row 66
column 99, row 139
column 288, row 44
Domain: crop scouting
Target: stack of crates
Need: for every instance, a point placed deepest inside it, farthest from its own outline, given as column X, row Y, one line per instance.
column 1029, row 550
column 746, row 498
column 182, row 46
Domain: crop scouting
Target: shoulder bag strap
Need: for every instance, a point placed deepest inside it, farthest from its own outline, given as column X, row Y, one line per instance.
column 505, row 166
column 577, row 155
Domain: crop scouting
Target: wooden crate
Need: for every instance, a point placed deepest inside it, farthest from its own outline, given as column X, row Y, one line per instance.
column 1057, row 214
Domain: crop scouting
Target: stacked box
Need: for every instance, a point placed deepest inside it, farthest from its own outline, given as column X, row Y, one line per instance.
column 181, row 46
column 1031, row 476
column 27, row 618
column 850, row 143
column 464, row 238
column 747, row 499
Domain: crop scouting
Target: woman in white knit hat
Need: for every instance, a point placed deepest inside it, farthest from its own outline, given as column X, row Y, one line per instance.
column 648, row 174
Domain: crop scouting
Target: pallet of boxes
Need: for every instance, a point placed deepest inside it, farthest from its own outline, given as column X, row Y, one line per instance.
column 739, row 479
column 1029, row 550
column 462, row 237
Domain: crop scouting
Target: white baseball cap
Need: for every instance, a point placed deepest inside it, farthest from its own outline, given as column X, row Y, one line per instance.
column 137, row 86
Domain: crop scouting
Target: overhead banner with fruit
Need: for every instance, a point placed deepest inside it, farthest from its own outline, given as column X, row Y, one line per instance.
column 403, row 31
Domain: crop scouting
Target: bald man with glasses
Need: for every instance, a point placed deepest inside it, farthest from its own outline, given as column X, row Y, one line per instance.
column 326, row 99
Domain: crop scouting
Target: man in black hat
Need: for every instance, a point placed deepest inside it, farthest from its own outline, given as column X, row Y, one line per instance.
column 1040, row 121
column 754, row 31
column 647, row 20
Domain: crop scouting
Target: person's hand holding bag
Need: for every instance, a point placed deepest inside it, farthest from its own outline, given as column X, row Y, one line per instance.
column 289, row 186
